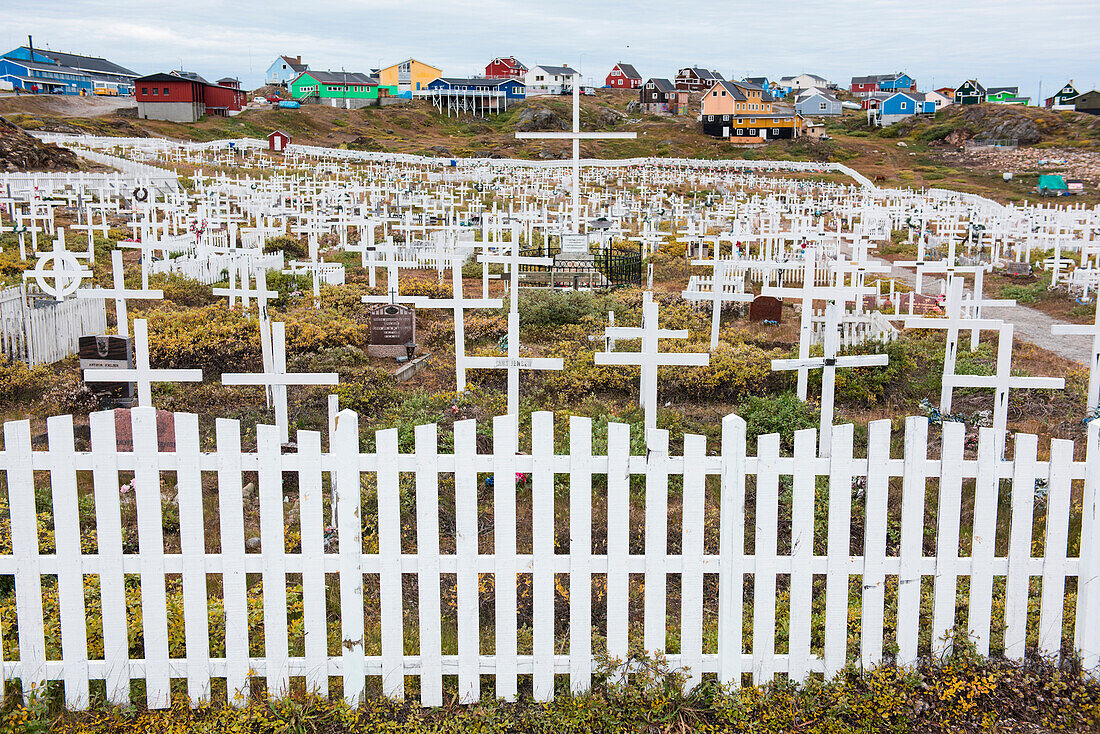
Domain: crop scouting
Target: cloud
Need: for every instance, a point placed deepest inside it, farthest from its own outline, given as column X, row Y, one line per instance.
column 998, row 41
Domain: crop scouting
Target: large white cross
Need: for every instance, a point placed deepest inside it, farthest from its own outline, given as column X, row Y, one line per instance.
column 952, row 322
column 1093, row 399
column 649, row 358
column 277, row 379
column 120, row 293
column 459, row 304
column 722, row 290
column 1002, row 381
column 142, row 374
column 576, row 136
column 828, row 364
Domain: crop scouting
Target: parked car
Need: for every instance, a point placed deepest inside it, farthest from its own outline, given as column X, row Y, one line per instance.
column 273, row 98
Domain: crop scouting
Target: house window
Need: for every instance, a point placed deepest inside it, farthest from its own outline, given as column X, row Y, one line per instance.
column 725, row 118
column 752, row 121
column 166, row 91
column 822, row 106
column 155, row 91
column 775, row 131
column 145, row 90
column 905, row 105
column 740, row 131
column 740, row 121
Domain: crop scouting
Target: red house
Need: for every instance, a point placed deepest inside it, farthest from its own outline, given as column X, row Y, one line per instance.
column 277, row 141
column 184, row 97
column 623, row 76
column 508, row 67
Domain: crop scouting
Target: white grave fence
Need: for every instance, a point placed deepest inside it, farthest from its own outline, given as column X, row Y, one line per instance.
column 731, row 557
column 46, row 334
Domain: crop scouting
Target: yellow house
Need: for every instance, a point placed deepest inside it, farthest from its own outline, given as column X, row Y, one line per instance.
column 408, row 76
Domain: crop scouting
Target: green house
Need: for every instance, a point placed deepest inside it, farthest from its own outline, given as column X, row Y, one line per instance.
column 347, row 89
column 1006, row 95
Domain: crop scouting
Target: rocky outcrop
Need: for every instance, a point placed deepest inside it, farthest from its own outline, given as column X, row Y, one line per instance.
column 530, row 120
column 22, row 152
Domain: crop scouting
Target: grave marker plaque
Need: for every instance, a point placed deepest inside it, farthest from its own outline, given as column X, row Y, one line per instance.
column 766, row 308
column 391, row 327
column 108, row 352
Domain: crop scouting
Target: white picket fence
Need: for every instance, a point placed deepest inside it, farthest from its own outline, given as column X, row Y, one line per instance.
column 856, row 329
column 859, row 489
column 50, row 333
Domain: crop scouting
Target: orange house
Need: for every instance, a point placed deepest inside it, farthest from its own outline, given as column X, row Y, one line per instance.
column 740, row 110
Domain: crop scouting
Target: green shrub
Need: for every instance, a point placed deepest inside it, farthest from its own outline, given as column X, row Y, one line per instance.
column 369, row 393
column 181, row 290
column 292, row 247
column 783, row 413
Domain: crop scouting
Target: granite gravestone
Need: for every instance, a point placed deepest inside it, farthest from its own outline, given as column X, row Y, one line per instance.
column 392, row 326
column 108, row 352
column 766, row 308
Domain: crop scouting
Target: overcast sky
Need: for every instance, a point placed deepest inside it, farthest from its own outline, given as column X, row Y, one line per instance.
column 940, row 42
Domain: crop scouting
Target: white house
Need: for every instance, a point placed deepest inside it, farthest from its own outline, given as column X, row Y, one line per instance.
column 940, row 100
column 804, row 81
column 542, row 79
column 284, row 70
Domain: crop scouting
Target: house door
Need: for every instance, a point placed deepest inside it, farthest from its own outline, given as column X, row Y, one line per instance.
column 763, row 134
column 278, row 143
column 726, row 131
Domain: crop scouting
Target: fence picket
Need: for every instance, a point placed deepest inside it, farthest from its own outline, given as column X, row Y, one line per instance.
column 691, row 545
column 618, row 537
column 580, row 554
column 876, row 500
column 542, row 548
column 108, row 525
column 234, row 583
column 764, row 575
column 911, row 549
column 70, row 576
column 838, row 547
column 466, row 538
column 1086, row 629
column 948, row 518
column 1052, row 602
column 504, row 551
column 983, row 546
column 193, row 549
column 273, row 544
column 655, row 608
column 731, row 589
column 154, row 602
column 1025, row 472
column 389, row 556
column 311, row 508
column 427, row 564
column 349, row 508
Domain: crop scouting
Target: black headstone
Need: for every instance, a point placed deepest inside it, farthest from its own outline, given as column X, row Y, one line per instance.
column 766, row 308
column 108, row 352
column 392, row 326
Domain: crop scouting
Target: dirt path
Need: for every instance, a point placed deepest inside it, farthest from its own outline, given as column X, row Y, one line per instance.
column 1031, row 324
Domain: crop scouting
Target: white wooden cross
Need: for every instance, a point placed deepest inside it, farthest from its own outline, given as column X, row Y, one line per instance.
column 142, row 374
column 278, row 378
column 241, row 267
column 1002, row 381
column 120, row 293
column 1093, row 398
column 576, row 136
column 809, row 292
column 952, row 322
column 722, row 290
column 828, row 364
column 66, row 273
column 459, row 304
column 649, row 358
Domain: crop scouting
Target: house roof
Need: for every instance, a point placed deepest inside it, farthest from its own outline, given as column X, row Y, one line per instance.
column 557, row 70
column 628, row 71
column 294, row 65
column 229, row 79
column 341, row 77
column 974, row 83
column 663, row 85
column 84, row 63
column 737, row 90
column 757, row 80
column 810, row 94
column 479, row 81
column 189, row 75
column 870, row 78
column 997, row 90
column 510, row 60
column 703, row 74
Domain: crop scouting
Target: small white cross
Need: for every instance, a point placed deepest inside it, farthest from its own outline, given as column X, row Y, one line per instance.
column 1002, row 381
column 828, row 364
column 722, row 290
column 278, row 378
column 649, row 358
column 143, row 375
column 120, row 293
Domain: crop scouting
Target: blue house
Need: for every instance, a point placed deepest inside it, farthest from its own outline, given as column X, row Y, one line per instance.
column 54, row 72
column 284, row 70
column 476, row 95
column 899, row 106
column 899, row 82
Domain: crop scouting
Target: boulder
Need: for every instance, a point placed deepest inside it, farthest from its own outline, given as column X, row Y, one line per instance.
column 530, row 120
column 22, row 152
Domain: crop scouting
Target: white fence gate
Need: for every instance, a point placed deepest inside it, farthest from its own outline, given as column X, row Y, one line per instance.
column 750, row 494
column 43, row 335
